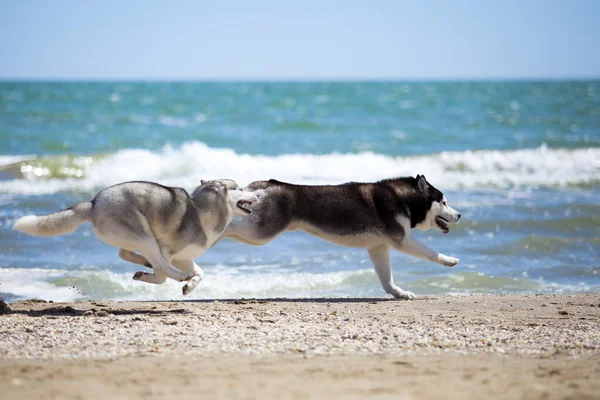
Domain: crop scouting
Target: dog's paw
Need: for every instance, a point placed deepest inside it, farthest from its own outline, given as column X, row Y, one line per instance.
column 137, row 276
column 404, row 295
column 148, row 265
column 191, row 284
column 187, row 278
column 448, row 261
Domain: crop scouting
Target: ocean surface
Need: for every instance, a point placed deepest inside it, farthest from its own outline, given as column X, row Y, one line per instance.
column 519, row 160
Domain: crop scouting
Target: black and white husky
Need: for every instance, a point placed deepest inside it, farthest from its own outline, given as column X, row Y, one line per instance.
column 156, row 226
column 375, row 216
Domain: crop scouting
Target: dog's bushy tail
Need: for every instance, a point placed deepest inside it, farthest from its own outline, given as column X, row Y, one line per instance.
column 58, row 223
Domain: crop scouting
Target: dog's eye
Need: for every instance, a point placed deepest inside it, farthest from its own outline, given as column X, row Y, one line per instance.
column 444, row 202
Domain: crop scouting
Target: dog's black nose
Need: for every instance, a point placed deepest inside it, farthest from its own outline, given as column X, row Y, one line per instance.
column 459, row 215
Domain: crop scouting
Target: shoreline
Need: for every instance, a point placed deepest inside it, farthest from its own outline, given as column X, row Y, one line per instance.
column 477, row 345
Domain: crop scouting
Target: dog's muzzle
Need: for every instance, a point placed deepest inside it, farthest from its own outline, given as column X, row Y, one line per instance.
column 442, row 224
column 245, row 206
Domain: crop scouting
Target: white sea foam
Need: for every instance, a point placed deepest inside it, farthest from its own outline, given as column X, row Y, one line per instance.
column 221, row 282
column 6, row 160
column 35, row 283
column 228, row 282
column 186, row 165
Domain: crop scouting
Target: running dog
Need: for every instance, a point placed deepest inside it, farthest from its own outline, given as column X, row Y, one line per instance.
column 156, row 226
column 375, row 216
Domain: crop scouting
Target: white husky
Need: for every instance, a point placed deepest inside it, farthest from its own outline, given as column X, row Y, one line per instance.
column 157, row 226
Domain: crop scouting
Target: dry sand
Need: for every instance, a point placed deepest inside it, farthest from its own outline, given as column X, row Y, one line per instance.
column 538, row 346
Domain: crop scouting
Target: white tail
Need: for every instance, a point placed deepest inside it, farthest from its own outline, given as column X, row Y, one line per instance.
column 58, row 223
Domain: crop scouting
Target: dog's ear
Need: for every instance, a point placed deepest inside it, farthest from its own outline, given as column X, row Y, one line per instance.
column 203, row 182
column 423, row 184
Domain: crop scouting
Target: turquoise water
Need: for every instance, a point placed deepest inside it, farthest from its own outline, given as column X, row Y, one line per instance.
column 520, row 160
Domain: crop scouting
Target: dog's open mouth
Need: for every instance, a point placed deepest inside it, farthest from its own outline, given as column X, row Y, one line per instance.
column 245, row 206
column 443, row 224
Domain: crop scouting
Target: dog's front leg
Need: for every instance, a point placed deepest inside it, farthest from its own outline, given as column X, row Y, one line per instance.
column 412, row 246
column 189, row 266
column 380, row 257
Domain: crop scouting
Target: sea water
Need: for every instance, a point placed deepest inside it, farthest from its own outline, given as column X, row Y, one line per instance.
column 519, row 160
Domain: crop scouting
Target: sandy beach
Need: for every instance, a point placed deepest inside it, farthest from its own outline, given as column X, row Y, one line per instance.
column 513, row 346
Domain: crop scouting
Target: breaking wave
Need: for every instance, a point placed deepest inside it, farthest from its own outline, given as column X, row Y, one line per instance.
column 223, row 282
column 185, row 165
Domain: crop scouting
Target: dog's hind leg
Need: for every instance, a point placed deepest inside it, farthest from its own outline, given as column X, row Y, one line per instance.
column 189, row 266
column 135, row 258
column 380, row 257
column 241, row 239
column 156, row 277
column 160, row 263
column 137, row 236
column 163, row 269
column 249, row 241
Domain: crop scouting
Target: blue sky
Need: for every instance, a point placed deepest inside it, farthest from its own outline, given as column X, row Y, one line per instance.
column 201, row 40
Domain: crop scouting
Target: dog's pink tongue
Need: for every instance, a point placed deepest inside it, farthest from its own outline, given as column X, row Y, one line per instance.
column 446, row 231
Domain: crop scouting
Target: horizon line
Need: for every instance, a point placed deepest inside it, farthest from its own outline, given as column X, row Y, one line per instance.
column 299, row 80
